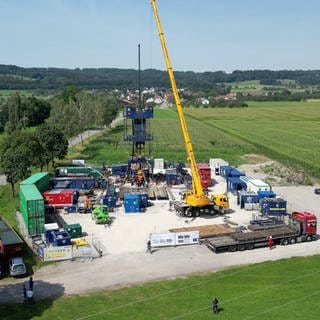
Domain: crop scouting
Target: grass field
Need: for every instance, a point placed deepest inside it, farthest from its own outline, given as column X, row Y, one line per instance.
column 283, row 289
column 255, row 86
column 168, row 143
column 285, row 131
column 6, row 93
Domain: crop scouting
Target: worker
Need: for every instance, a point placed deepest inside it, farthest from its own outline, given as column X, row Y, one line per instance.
column 270, row 242
column 31, row 284
column 149, row 248
column 215, row 308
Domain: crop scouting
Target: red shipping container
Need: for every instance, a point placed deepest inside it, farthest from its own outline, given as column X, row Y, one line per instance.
column 205, row 174
column 58, row 198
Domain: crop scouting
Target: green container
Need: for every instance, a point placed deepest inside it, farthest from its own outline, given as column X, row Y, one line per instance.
column 74, row 230
column 41, row 180
column 31, row 202
column 35, row 225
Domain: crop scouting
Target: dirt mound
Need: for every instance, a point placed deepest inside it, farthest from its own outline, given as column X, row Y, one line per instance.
column 272, row 172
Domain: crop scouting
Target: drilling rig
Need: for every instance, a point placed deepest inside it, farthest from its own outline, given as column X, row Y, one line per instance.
column 136, row 132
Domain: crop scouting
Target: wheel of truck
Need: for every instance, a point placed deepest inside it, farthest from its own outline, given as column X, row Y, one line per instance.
column 196, row 213
column 250, row 246
column 188, row 212
column 293, row 240
column 232, row 248
column 241, row 247
column 284, row 242
column 308, row 238
column 211, row 212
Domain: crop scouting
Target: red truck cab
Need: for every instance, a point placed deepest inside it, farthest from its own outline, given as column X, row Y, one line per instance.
column 307, row 221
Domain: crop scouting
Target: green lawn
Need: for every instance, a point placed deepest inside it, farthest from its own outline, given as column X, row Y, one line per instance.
column 283, row 289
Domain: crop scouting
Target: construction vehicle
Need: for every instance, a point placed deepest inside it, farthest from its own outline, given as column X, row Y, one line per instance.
column 100, row 215
column 301, row 227
column 195, row 201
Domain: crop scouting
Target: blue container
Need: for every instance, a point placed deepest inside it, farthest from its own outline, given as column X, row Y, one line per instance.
column 144, row 199
column 61, row 238
column 133, row 203
column 235, row 173
column 49, row 235
column 110, row 200
column 71, row 209
column 79, row 183
column 273, row 206
column 224, row 171
column 265, row 194
column 246, row 197
column 119, row 170
column 235, row 184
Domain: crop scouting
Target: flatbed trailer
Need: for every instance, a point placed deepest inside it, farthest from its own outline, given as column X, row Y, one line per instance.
column 208, row 231
column 240, row 241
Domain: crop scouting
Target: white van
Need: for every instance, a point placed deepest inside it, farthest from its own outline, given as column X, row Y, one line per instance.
column 17, row 267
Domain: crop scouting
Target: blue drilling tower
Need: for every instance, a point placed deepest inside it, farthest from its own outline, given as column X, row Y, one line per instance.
column 137, row 131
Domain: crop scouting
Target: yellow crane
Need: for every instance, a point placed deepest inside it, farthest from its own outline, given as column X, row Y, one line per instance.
column 196, row 201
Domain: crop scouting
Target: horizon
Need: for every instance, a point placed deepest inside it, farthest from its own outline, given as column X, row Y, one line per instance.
column 97, row 68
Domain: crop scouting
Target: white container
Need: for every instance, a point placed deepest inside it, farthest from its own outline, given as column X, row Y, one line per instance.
column 215, row 164
column 255, row 185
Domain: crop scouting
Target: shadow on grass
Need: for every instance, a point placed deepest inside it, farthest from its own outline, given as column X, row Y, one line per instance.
column 12, row 305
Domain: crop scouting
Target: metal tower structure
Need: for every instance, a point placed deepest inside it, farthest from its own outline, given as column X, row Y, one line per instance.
column 137, row 132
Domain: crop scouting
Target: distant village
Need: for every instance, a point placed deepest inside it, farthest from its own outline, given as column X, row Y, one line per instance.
column 163, row 98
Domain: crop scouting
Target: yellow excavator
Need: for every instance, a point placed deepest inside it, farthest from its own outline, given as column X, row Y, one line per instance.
column 195, row 201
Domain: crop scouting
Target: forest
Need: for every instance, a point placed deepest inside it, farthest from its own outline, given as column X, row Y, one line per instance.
column 18, row 78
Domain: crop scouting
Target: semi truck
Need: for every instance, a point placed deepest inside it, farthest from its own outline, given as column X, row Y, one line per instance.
column 301, row 227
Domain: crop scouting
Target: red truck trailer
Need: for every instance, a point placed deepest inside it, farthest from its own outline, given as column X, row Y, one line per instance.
column 205, row 175
column 302, row 226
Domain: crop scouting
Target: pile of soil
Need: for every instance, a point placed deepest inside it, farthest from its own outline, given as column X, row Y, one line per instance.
column 272, row 172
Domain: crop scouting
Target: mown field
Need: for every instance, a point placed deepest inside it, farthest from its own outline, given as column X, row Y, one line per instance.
column 255, row 86
column 208, row 142
column 285, row 131
column 7, row 93
column 283, row 289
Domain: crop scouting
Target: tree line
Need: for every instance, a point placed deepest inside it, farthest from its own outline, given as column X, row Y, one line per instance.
column 35, row 131
column 18, row 78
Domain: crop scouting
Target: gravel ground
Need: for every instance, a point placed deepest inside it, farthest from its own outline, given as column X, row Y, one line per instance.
column 125, row 261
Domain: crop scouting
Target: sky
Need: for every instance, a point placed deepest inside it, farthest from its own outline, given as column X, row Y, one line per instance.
column 201, row 35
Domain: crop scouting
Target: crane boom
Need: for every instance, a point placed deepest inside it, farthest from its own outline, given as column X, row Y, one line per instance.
column 196, row 197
